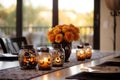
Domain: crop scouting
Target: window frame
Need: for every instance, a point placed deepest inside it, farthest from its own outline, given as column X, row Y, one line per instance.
column 96, row 37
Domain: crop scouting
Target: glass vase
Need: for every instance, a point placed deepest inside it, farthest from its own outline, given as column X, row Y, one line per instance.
column 44, row 59
column 88, row 50
column 27, row 57
column 67, row 46
column 58, row 55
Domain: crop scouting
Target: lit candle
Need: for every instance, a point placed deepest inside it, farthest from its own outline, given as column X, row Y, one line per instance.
column 28, row 62
column 88, row 53
column 80, row 54
column 58, row 55
column 24, row 60
column 88, row 50
column 44, row 63
column 57, row 61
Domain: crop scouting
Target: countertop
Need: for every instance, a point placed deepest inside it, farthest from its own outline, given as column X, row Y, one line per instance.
column 62, row 74
column 98, row 57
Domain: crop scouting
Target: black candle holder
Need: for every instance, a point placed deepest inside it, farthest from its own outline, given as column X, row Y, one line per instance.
column 114, row 13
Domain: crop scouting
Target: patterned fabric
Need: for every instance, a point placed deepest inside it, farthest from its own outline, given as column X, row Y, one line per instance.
column 16, row 73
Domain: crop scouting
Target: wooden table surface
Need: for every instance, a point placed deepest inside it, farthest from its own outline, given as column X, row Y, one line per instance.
column 62, row 74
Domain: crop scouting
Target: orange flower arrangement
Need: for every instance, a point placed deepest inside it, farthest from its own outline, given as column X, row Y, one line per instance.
column 63, row 32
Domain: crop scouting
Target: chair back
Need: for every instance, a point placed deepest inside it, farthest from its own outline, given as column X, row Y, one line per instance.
column 15, row 44
column 4, row 45
column 19, row 42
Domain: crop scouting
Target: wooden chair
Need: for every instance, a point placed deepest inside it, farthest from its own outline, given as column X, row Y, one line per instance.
column 6, row 51
column 4, row 45
column 16, row 43
column 20, row 41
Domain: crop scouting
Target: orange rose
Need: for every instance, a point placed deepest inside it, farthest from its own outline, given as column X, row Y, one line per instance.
column 65, row 28
column 58, row 38
column 50, row 32
column 58, row 26
column 63, row 32
column 77, row 30
column 76, row 37
column 56, row 30
column 69, row 36
column 51, row 37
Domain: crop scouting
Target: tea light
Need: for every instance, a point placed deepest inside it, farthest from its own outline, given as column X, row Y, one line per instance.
column 88, row 53
column 80, row 54
column 44, row 62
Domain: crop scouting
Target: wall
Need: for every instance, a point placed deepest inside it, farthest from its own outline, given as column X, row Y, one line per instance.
column 106, row 29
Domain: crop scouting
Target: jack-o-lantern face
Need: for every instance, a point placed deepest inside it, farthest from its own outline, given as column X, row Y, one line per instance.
column 45, row 62
column 28, row 59
column 58, row 60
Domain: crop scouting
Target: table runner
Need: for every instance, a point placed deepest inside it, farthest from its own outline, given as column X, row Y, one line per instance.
column 17, row 73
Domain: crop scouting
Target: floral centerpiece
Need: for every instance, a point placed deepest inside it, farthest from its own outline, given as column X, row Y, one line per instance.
column 63, row 34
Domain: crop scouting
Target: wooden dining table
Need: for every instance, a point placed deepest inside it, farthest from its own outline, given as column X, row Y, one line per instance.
column 98, row 57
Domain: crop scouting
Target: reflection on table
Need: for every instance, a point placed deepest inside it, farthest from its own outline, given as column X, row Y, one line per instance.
column 97, row 58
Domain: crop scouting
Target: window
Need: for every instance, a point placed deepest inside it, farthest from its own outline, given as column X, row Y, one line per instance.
column 37, row 18
column 79, row 13
column 7, row 18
